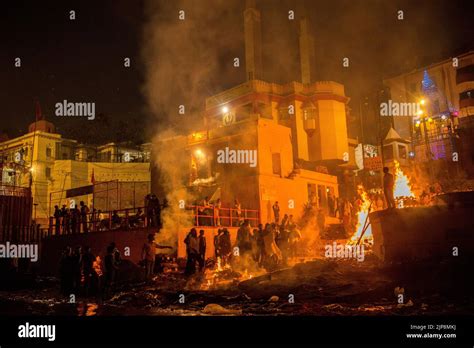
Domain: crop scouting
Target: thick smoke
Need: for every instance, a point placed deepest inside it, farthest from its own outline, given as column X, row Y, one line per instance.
column 185, row 60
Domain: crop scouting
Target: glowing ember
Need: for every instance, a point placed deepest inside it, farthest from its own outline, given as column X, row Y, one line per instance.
column 402, row 184
column 362, row 217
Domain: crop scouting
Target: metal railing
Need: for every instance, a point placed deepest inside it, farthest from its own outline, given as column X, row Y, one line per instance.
column 130, row 219
column 225, row 217
column 74, row 223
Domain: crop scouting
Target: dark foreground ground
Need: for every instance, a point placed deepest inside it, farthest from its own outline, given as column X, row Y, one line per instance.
column 318, row 287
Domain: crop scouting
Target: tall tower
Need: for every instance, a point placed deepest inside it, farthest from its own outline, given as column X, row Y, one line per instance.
column 253, row 41
column 307, row 55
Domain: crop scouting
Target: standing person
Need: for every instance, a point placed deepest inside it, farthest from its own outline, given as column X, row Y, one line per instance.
column 243, row 238
column 87, row 269
column 74, row 219
column 272, row 252
column 57, row 219
column 66, row 223
column 202, row 250
column 149, row 210
column 260, row 245
column 284, row 221
column 225, row 246
column 216, row 244
column 238, row 211
column 192, row 251
column 217, row 208
column 84, row 212
column 388, row 186
column 276, row 212
column 63, row 218
column 111, row 269
column 149, row 255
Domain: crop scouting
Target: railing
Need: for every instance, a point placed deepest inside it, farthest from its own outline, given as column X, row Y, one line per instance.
column 100, row 221
column 129, row 219
column 225, row 217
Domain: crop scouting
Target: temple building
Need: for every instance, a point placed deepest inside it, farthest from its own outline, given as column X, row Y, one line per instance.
column 441, row 134
column 297, row 133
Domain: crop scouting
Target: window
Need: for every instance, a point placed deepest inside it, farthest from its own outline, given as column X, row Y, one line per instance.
column 276, row 163
column 48, row 152
column 388, row 152
column 48, row 172
column 402, row 151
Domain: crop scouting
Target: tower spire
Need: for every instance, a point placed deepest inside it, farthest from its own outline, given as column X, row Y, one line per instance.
column 253, row 41
column 307, row 55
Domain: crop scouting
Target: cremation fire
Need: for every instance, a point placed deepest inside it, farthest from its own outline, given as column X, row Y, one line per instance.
column 403, row 192
column 363, row 222
column 223, row 275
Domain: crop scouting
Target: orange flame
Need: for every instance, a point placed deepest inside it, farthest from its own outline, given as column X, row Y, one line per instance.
column 362, row 217
column 402, row 184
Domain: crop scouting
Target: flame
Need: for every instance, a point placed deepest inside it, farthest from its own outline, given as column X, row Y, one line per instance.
column 402, row 184
column 362, row 216
column 402, row 190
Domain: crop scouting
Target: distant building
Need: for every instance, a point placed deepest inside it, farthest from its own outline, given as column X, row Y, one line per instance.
column 50, row 164
column 296, row 131
column 443, row 129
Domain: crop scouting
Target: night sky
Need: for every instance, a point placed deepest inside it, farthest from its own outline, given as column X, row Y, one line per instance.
column 82, row 59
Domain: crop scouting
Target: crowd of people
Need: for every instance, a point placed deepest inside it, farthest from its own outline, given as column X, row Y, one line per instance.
column 82, row 220
column 268, row 246
column 83, row 273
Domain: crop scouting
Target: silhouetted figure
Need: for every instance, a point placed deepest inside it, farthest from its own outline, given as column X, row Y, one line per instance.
column 238, row 212
column 388, row 186
column 57, row 219
column 243, row 238
column 116, row 220
column 74, row 220
column 216, row 243
column 225, row 246
column 192, row 252
column 84, row 212
column 276, row 212
column 202, row 250
column 88, row 269
column 110, row 268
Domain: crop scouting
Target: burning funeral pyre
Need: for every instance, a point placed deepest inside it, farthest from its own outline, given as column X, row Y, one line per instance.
column 404, row 197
